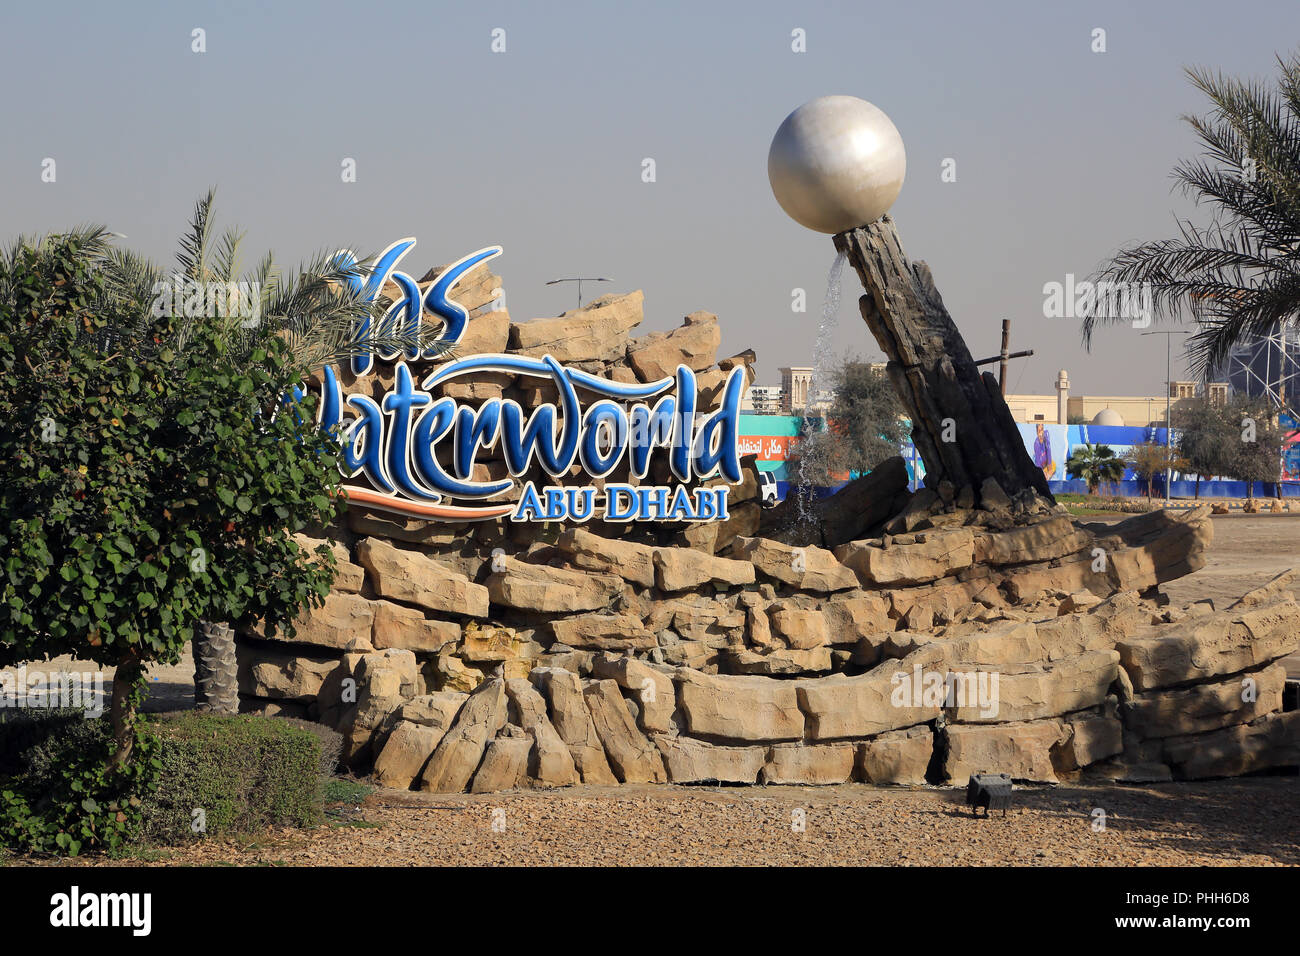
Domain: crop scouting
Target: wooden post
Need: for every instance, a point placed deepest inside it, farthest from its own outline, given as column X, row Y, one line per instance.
column 961, row 425
column 1006, row 352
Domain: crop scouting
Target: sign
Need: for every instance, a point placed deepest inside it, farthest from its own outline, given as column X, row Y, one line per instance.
column 394, row 442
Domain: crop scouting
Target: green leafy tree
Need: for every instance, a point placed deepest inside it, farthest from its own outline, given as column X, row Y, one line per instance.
column 1095, row 464
column 311, row 311
column 864, row 425
column 1206, row 438
column 147, row 487
column 1239, row 275
column 1257, row 454
column 1151, row 458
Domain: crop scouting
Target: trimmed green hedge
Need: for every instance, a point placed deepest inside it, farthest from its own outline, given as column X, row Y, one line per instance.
column 243, row 773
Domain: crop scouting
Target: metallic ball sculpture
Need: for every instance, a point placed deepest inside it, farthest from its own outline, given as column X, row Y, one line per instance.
column 836, row 163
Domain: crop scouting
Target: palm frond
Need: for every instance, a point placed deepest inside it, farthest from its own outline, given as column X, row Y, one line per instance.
column 193, row 254
column 1239, row 276
column 226, row 266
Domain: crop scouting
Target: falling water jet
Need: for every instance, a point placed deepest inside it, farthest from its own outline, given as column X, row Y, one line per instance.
column 814, row 454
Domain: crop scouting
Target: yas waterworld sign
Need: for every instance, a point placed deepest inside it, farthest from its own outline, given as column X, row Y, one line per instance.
column 394, row 442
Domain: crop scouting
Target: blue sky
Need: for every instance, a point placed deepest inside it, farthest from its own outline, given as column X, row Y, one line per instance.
column 1062, row 154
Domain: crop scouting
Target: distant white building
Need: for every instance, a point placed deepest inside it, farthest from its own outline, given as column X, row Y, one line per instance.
column 762, row 400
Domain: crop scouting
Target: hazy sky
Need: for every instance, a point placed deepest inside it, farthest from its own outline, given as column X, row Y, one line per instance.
column 1062, row 154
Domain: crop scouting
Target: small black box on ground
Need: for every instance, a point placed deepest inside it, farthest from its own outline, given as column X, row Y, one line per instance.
column 992, row 791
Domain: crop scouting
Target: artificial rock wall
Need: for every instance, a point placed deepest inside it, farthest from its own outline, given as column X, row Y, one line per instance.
column 846, row 644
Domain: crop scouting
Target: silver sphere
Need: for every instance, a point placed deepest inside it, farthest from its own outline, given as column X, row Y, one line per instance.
column 836, row 163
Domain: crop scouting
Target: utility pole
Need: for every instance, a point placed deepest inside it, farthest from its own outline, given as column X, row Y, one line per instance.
column 1169, row 431
column 1002, row 357
column 580, row 280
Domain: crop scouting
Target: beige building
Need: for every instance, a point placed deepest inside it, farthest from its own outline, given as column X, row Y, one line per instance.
column 762, row 400
column 1144, row 410
column 795, row 383
column 796, row 392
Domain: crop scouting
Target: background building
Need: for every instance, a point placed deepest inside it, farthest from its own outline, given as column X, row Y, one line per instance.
column 795, row 383
column 762, row 400
column 1062, row 408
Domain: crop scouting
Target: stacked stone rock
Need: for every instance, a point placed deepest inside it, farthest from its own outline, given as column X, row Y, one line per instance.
column 492, row 656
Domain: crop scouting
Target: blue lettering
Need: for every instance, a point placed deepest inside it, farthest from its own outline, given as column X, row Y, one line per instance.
column 717, row 444
column 398, row 403
column 605, row 422
column 684, row 430
column 620, row 502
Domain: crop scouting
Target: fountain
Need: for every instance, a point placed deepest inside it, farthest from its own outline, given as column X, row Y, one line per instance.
column 836, row 166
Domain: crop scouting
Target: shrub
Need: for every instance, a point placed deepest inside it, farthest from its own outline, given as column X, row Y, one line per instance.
column 57, row 791
column 341, row 790
column 331, row 744
column 243, row 772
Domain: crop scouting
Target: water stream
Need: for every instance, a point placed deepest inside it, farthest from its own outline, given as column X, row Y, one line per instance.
column 823, row 358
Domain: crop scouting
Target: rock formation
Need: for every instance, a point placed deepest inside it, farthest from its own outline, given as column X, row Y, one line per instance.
column 895, row 638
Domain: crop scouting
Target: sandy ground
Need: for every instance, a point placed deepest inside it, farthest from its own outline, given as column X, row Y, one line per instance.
column 1254, row 821
column 1229, row 823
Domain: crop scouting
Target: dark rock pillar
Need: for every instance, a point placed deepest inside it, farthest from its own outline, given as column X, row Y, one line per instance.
column 961, row 425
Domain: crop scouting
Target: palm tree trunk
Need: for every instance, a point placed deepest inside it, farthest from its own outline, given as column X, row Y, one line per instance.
column 216, row 685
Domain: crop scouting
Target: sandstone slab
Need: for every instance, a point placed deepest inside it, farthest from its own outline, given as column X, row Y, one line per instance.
column 458, row 755
column 415, row 578
column 630, row 561
column 396, row 625
column 652, row 689
column 1206, row 707
column 816, row 765
column 597, row 331
column 505, row 765
column 933, row 555
column 1023, row 750
column 541, row 588
column 684, row 569
column 603, row 632
column 809, row 568
column 573, row 722
column 694, row 344
column 899, row 757
column 694, row 761
column 405, row 753
column 551, row 764
column 631, row 755
column 738, row 708
column 1223, row 643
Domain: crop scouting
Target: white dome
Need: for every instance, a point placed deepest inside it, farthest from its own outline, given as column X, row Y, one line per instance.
column 1108, row 416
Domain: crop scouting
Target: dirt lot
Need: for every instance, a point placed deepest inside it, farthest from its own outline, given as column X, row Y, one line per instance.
column 1252, row 821
column 1244, row 822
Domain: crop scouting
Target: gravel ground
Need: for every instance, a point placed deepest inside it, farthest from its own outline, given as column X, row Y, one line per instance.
column 1228, row 823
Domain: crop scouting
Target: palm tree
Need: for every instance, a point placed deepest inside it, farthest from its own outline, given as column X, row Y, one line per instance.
column 1095, row 464
column 318, row 311
column 1239, row 276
